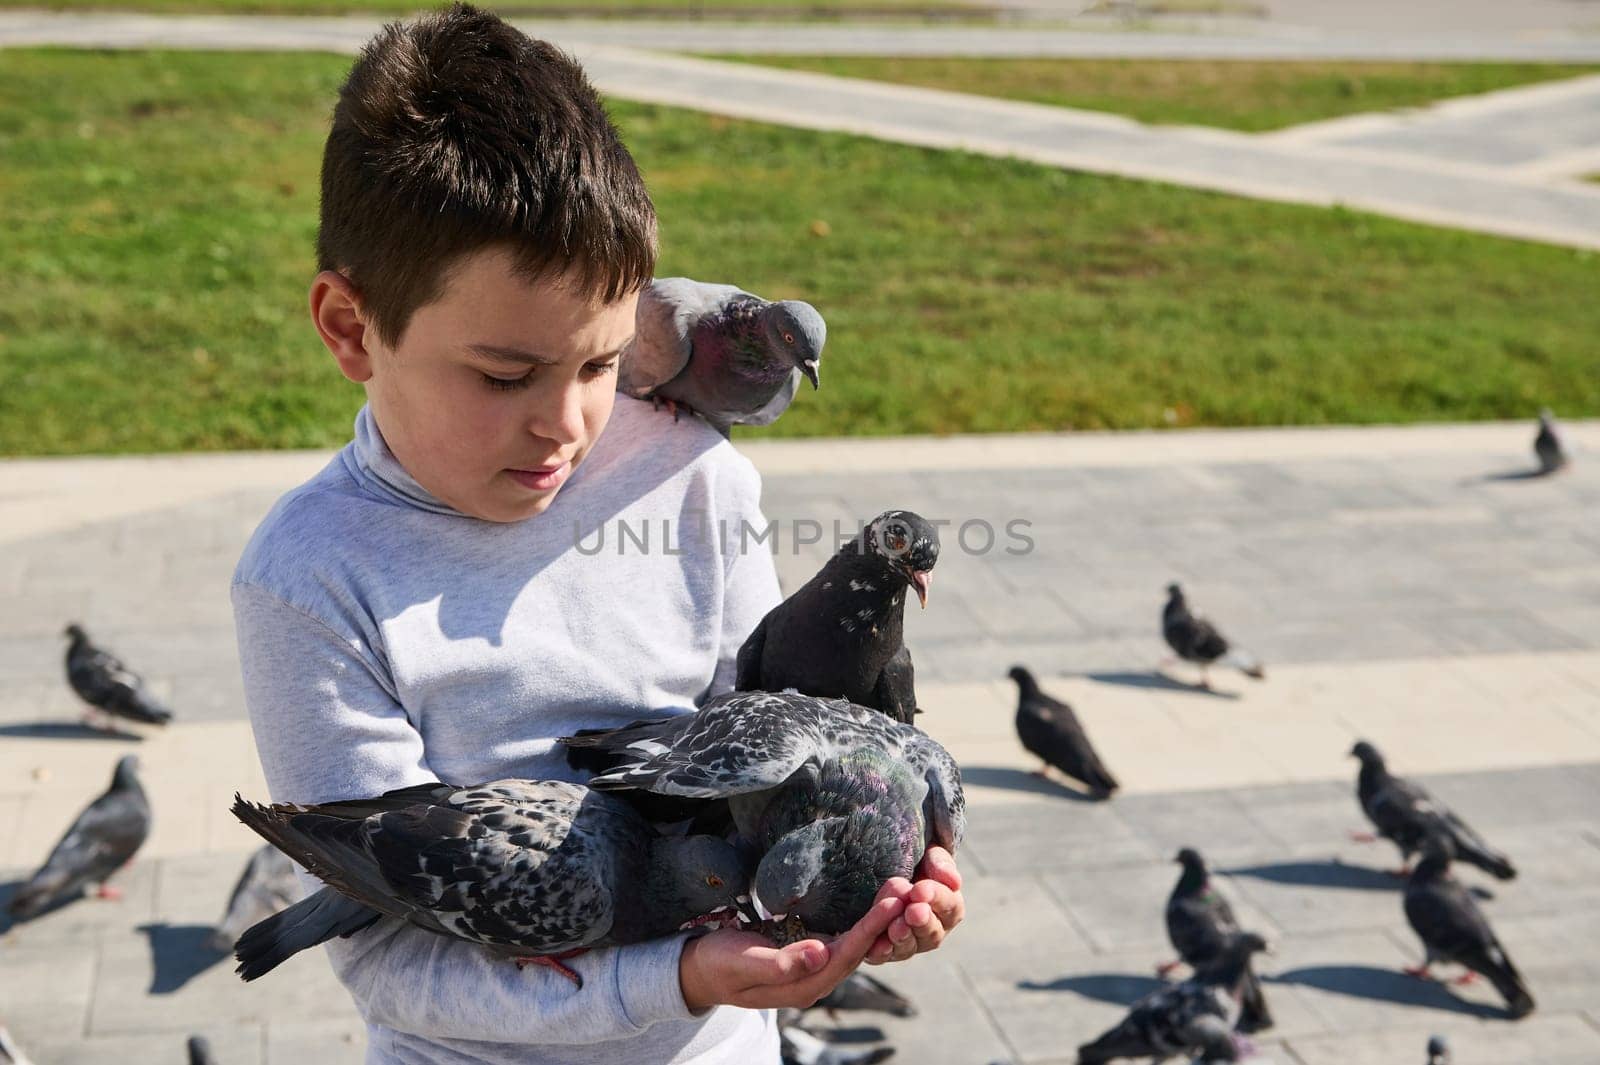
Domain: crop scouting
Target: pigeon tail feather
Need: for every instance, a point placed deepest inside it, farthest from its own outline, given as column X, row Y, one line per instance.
column 1246, row 663
column 315, row 919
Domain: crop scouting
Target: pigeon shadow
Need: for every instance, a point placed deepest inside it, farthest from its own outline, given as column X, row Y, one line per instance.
column 1383, row 985
column 180, row 952
column 995, row 776
column 860, row 1033
column 1331, row 874
column 1158, row 681
column 1517, row 475
column 64, row 730
column 1119, row 989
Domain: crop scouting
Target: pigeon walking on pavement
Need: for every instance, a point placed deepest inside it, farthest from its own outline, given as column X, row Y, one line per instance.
column 108, row 686
column 102, row 840
column 267, row 884
column 1049, row 729
column 540, row 871
column 841, row 634
column 858, row 992
column 1453, row 929
column 1201, row 925
column 831, row 798
column 720, row 352
column 1547, row 445
column 1438, row 1051
column 1194, row 639
column 1404, row 813
column 1198, row 1016
column 796, row 1046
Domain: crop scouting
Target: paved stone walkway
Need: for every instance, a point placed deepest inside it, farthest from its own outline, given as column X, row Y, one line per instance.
column 1403, row 584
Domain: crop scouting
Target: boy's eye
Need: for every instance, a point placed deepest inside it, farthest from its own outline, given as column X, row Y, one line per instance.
column 507, row 384
column 599, row 369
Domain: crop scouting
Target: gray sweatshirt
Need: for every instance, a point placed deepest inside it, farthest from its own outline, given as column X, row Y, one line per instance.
column 387, row 640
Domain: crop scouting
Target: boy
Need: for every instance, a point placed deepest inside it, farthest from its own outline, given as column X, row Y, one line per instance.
column 421, row 610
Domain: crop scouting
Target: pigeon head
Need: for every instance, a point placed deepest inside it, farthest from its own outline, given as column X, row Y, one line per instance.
column 1438, row 1051
column 795, row 329
column 1367, row 753
column 1190, row 858
column 127, row 772
column 1023, row 678
column 703, row 873
column 907, row 542
column 828, row 872
column 75, row 632
column 1174, row 592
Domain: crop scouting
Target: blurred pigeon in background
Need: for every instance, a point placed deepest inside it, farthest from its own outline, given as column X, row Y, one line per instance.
column 103, row 682
column 858, row 991
column 1194, row 639
column 102, row 840
column 1438, row 1051
column 1049, row 729
column 1453, row 929
column 799, row 1047
column 536, row 870
column 200, row 1051
column 841, row 634
column 834, row 799
column 728, row 356
column 1547, row 446
column 267, row 885
column 1406, row 814
column 1201, row 925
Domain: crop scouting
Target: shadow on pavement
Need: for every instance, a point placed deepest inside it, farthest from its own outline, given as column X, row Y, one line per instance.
column 1384, row 985
column 1159, row 682
column 63, row 730
column 180, row 952
column 8, row 891
column 1322, row 874
column 1119, row 989
column 993, row 776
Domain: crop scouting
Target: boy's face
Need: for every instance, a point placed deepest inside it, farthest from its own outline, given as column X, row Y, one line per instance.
column 466, row 409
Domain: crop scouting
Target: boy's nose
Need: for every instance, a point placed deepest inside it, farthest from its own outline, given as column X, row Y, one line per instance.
column 560, row 418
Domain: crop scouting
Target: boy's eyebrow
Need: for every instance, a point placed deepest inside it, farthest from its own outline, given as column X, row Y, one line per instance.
column 495, row 351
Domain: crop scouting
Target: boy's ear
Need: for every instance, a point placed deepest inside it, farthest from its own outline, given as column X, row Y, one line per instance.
column 336, row 311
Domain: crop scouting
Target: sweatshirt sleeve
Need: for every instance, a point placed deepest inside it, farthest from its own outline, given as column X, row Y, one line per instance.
column 750, row 588
column 328, row 726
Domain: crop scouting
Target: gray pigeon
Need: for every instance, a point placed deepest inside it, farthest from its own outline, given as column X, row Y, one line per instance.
column 841, row 635
column 536, row 870
column 1438, row 1051
column 102, row 681
column 1547, row 446
column 858, row 991
column 1194, row 639
column 199, row 1048
column 1197, row 1016
column 10, row 1053
column 833, row 798
column 1049, row 729
column 1406, row 814
column 1201, row 925
column 1453, row 929
column 799, row 1047
column 732, row 358
column 102, row 840
column 267, row 885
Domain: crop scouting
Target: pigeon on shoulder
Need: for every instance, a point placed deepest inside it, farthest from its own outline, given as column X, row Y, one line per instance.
column 841, row 635
column 731, row 357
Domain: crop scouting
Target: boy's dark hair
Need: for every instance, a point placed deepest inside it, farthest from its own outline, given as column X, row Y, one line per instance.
column 455, row 132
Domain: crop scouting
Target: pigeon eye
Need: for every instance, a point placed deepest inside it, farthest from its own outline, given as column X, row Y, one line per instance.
column 788, row 338
column 897, row 542
column 713, row 881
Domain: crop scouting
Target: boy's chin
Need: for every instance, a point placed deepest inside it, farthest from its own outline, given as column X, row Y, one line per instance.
column 516, row 505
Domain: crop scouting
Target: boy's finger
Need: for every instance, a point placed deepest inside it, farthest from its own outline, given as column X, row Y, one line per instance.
column 797, row 961
column 846, row 952
column 939, row 864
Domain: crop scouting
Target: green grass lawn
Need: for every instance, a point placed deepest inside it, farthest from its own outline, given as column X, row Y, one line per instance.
column 1232, row 94
column 160, row 215
column 785, row 9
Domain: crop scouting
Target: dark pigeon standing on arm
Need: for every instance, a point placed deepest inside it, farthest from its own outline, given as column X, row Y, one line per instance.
column 1404, row 813
column 841, row 635
column 1198, row 1016
column 831, row 798
column 1547, row 447
column 1201, row 925
column 107, row 685
column 720, row 352
column 267, row 885
column 1049, row 729
column 539, row 871
column 1194, row 639
column 102, row 840
column 1453, row 929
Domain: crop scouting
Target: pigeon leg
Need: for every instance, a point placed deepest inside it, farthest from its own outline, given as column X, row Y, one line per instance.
column 1362, row 837
column 1166, row 967
column 106, row 891
column 553, row 961
column 1043, row 772
column 1420, row 972
column 1205, row 678
column 1469, row 977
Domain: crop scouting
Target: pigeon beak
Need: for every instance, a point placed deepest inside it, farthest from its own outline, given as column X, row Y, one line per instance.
column 760, row 907
column 920, row 579
column 810, row 369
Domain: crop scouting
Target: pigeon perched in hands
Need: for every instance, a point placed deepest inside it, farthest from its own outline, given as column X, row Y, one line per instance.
column 858, row 991
column 1194, row 639
column 267, row 885
column 102, row 840
column 796, row 1046
column 1404, row 813
column 1049, row 729
column 1197, row 1016
column 540, row 871
column 1547, row 446
column 1438, row 1051
column 107, row 685
column 1453, row 929
column 1201, row 925
column 834, row 799
column 728, row 356
column 841, row 634
column 199, row 1048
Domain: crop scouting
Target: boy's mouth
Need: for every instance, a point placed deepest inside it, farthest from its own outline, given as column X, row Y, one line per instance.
column 541, row 478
